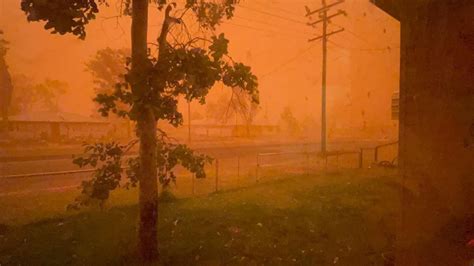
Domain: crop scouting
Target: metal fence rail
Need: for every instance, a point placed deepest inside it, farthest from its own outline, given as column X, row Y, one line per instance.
column 227, row 172
column 47, row 174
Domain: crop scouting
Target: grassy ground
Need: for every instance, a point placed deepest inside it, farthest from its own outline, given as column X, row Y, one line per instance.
column 343, row 219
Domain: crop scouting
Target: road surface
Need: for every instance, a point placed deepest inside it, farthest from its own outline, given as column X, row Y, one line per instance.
column 228, row 155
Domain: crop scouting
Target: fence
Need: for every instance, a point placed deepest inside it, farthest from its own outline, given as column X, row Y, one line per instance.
column 224, row 173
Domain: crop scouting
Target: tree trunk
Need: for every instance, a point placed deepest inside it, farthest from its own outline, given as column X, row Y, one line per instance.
column 6, row 90
column 148, row 184
column 148, row 188
column 4, row 123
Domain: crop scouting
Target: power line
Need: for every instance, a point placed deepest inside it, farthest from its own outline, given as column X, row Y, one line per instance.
column 279, row 8
column 287, row 62
column 275, row 34
column 388, row 48
column 269, row 24
column 352, row 33
column 273, row 15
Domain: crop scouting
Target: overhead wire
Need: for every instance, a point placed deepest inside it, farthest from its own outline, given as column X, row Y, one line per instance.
column 286, row 62
column 299, row 54
column 378, row 49
column 286, row 11
column 273, row 25
column 274, row 34
column 273, row 15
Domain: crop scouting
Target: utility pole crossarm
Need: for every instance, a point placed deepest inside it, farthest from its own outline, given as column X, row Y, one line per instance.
column 325, row 19
column 340, row 12
column 322, row 9
column 327, row 35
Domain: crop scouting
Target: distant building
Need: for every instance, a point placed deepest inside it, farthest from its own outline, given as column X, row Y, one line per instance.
column 55, row 126
column 213, row 129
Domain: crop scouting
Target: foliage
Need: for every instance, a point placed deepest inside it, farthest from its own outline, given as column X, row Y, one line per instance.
column 237, row 103
column 62, row 16
column 179, row 69
column 187, row 71
column 112, row 167
column 244, row 105
column 107, row 68
column 220, row 110
column 72, row 16
column 29, row 96
column 107, row 157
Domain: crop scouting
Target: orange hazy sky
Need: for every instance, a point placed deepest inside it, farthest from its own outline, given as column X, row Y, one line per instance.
column 269, row 35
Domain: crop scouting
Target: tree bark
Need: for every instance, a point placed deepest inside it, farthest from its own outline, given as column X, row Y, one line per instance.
column 148, row 188
column 148, row 184
column 6, row 90
column 4, row 123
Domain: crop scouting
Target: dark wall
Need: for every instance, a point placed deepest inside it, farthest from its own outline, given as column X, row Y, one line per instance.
column 436, row 116
column 437, row 98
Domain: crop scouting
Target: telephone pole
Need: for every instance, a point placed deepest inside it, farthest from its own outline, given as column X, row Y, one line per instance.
column 324, row 19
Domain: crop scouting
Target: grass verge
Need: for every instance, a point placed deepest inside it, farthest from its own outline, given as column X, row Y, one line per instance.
column 344, row 219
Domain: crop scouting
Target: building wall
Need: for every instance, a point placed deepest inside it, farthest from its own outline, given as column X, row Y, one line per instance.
column 43, row 130
column 236, row 131
column 209, row 131
column 78, row 130
column 21, row 130
column 436, row 114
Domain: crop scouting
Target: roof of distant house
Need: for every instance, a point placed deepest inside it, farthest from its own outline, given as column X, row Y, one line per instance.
column 54, row 117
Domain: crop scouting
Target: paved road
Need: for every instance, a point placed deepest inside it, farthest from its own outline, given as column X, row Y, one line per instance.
column 227, row 154
column 64, row 162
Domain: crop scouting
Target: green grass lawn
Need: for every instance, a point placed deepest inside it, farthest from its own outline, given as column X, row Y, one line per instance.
column 327, row 219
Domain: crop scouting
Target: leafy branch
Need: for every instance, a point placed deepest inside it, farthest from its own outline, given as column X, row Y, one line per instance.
column 114, row 169
column 179, row 68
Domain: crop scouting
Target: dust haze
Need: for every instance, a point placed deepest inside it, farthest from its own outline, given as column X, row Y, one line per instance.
column 236, row 132
column 363, row 62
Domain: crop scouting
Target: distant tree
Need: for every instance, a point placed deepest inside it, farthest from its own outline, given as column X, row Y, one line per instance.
column 290, row 121
column 243, row 105
column 29, row 96
column 108, row 68
column 195, row 115
column 6, row 87
column 238, row 103
column 221, row 109
column 151, row 90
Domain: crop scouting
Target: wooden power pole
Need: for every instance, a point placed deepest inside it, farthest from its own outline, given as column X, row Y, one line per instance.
column 324, row 19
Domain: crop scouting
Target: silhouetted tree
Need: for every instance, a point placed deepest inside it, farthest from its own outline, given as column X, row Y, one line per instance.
column 6, row 86
column 108, row 68
column 151, row 89
column 29, row 96
column 220, row 110
column 238, row 103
